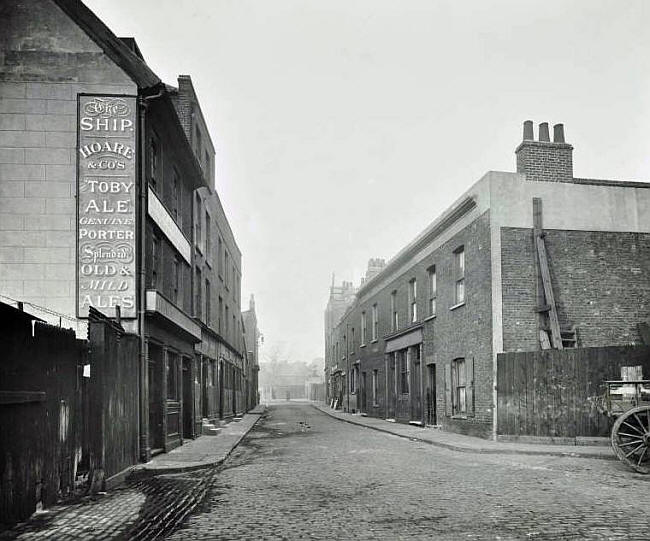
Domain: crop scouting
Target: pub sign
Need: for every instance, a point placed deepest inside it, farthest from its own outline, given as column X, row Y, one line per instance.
column 106, row 205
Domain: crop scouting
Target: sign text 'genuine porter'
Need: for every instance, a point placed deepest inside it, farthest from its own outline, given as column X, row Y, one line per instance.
column 106, row 203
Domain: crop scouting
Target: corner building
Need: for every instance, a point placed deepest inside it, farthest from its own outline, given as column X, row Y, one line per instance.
column 419, row 342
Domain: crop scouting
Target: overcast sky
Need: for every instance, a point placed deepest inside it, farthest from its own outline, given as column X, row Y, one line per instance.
column 343, row 128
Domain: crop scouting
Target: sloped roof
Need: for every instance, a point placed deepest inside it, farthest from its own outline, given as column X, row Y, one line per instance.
column 115, row 48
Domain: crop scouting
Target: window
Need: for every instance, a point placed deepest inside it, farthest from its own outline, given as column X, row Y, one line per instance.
column 375, row 387
column 393, row 310
column 219, row 262
column 176, row 281
column 207, row 164
column 197, row 141
column 208, row 248
column 175, row 198
column 172, row 376
column 458, row 387
column 375, row 322
column 207, row 302
column 459, row 272
column 352, row 342
column 220, row 313
column 155, row 261
column 197, row 301
column 226, row 321
column 211, row 373
column 403, row 371
column 197, row 220
column 433, row 290
column 154, row 163
column 413, row 301
column 225, row 267
column 363, row 328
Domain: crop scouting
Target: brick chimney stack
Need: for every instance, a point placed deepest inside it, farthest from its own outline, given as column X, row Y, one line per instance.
column 543, row 160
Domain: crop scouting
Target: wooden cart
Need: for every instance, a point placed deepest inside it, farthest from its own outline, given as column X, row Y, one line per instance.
column 629, row 403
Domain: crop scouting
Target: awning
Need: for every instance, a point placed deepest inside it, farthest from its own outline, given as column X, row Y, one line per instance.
column 405, row 340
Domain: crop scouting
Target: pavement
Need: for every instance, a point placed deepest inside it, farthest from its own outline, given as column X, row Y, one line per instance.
column 152, row 501
column 468, row 444
column 203, row 452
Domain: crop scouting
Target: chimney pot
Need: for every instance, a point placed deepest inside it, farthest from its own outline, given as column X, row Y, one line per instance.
column 543, row 132
column 528, row 130
column 558, row 133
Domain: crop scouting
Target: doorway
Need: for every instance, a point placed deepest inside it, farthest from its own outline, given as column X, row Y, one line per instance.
column 364, row 394
column 188, row 402
column 155, row 372
column 431, row 418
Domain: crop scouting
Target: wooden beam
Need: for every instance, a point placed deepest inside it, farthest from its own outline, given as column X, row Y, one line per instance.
column 556, row 337
column 21, row 397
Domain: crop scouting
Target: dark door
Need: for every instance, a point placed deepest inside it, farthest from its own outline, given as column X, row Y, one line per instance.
column 392, row 386
column 364, row 394
column 431, row 395
column 155, row 366
column 188, row 399
column 221, row 389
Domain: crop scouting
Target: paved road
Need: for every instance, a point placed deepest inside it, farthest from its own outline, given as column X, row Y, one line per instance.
column 303, row 475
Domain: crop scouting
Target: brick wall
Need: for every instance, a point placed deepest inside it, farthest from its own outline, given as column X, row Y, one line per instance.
column 43, row 68
column 599, row 279
column 545, row 161
column 464, row 332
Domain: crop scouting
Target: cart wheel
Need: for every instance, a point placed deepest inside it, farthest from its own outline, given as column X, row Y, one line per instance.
column 631, row 438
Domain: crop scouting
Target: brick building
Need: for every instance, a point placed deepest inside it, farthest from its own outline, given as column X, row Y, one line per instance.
column 419, row 341
column 107, row 199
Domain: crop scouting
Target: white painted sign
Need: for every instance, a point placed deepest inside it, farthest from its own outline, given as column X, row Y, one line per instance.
column 106, row 205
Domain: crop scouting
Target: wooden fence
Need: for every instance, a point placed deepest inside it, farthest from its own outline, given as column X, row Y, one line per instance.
column 55, row 424
column 40, row 413
column 112, row 399
column 554, row 393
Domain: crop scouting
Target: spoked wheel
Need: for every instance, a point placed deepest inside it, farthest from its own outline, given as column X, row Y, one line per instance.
column 631, row 438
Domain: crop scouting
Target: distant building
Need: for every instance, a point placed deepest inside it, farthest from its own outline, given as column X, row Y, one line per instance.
column 521, row 261
column 252, row 338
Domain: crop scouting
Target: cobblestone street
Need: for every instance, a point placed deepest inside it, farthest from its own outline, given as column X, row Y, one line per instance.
column 303, row 475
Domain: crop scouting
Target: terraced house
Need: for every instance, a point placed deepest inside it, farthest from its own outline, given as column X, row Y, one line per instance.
column 522, row 261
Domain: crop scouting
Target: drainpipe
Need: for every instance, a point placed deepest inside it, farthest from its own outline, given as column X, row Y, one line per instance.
column 145, row 449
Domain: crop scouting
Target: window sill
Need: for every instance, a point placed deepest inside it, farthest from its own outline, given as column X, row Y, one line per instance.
column 208, row 262
column 198, row 249
column 429, row 318
column 373, row 341
column 362, row 345
column 460, row 417
column 457, row 305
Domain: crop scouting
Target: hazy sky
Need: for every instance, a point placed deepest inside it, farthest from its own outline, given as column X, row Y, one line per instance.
column 343, row 128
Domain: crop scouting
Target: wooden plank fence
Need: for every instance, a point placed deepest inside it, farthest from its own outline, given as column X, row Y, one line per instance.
column 554, row 393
